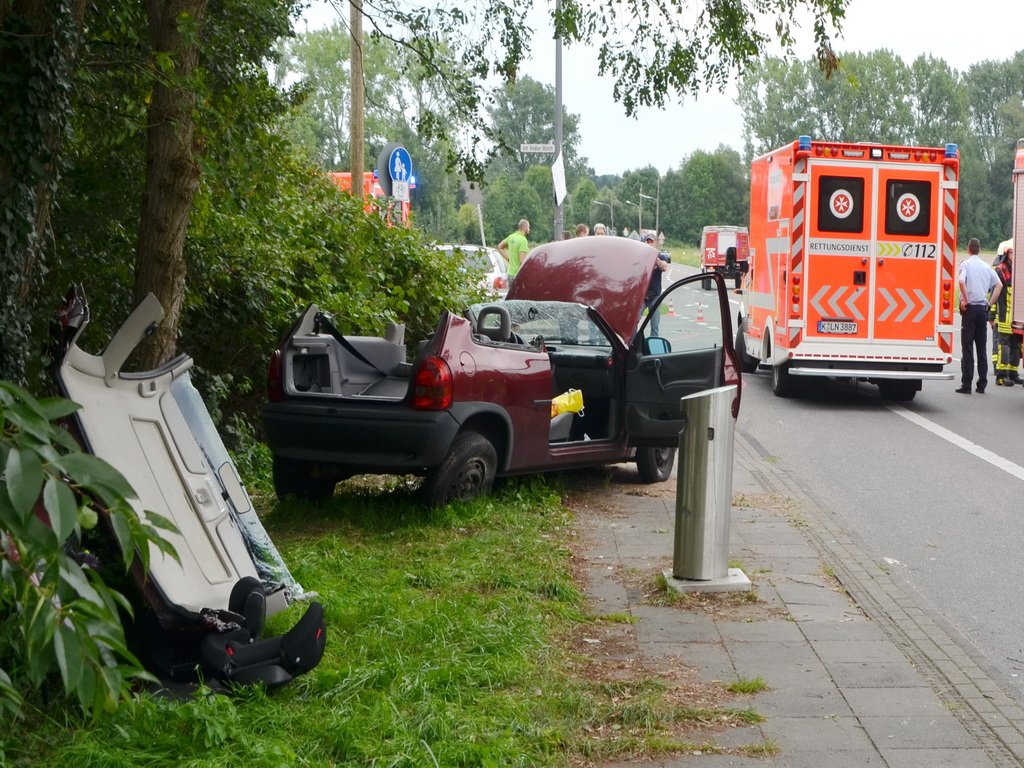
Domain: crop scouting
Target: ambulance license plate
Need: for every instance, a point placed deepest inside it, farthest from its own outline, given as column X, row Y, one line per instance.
column 837, row 326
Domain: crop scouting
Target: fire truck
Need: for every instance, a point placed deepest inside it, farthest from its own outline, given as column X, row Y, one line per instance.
column 1018, row 236
column 724, row 249
column 394, row 212
column 852, row 265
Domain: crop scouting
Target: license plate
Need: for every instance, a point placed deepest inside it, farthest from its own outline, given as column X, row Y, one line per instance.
column 837, row 326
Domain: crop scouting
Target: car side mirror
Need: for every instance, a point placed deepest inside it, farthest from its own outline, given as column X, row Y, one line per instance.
column 656, row 345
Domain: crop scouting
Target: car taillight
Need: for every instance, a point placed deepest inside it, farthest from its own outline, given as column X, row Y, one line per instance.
column 275, row 386
column 500, row 283
column 433, row 387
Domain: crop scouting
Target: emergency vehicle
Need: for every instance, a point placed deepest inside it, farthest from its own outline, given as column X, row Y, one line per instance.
column 1018, row 235
column 392, row 210
column 724, row 249
column 852, row 265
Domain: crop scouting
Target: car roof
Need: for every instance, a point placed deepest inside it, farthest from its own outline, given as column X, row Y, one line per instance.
column 609, row 274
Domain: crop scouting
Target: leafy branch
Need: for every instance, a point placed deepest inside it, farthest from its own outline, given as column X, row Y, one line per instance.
column 58, row 614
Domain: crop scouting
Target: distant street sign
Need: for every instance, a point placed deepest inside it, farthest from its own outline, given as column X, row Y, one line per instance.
column 394, row 165
column 536, row 148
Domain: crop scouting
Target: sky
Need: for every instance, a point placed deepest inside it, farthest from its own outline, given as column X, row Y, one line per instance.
column 961, row 33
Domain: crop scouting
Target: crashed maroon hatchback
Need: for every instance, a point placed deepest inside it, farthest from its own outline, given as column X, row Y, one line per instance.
column 567, row 372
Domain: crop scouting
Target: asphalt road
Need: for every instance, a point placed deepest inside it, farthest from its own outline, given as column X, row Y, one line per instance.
column 933, row 489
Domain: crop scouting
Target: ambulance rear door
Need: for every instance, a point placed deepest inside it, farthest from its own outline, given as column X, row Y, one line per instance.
column 908, row 253
column 873, row 253
column 838, row 272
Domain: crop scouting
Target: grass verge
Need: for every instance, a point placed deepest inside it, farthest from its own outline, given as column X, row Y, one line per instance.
column 449, row 643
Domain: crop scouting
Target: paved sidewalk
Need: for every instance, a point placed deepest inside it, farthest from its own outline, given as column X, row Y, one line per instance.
column 858, row 672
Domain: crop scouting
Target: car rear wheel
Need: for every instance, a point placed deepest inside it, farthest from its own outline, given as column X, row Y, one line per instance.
column 295, row 478
column 467, row 471
column 748, row 364
column 654, row 465
column 783, row 384
column 898, row 391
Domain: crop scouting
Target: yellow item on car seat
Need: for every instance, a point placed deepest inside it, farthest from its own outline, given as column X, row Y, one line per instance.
column 567, row 402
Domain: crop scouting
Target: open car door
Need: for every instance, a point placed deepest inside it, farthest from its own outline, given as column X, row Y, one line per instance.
column 684, row 346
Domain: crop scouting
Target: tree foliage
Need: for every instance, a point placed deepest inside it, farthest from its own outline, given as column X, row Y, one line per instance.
column 58, row 616
column 38, row 45
column 880, row 98
column 710, row 188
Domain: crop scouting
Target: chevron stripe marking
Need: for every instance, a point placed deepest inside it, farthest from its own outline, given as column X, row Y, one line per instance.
column 833, row 303
column 889, row 309
column 851, row 304
column 926, row 305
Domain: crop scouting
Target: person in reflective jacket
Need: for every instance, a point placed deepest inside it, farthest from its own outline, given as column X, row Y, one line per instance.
column 1008, row 350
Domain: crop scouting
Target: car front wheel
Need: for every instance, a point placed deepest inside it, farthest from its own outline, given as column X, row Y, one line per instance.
column 655, row 464
column 467, row 471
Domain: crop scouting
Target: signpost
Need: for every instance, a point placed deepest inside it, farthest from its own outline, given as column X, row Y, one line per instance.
column 394, row 171
column 537, row 149
column 400, row 171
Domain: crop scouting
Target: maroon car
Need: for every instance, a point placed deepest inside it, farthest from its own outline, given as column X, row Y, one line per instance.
column 476, row 400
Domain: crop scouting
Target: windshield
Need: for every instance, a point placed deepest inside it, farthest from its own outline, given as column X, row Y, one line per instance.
column 553, row 322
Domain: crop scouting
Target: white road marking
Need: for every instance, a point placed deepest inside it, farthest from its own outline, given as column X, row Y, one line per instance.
column 953, row 438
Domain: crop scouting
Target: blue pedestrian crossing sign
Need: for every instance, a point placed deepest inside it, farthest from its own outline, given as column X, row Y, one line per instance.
column 400, row 172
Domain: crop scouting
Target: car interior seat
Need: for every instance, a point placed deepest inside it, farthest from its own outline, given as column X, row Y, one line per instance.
column 241, row 656
column 485, row 323
column 561, row 427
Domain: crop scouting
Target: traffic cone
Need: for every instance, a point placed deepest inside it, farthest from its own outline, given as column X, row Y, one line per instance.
column 671, row 310
column 700, row 312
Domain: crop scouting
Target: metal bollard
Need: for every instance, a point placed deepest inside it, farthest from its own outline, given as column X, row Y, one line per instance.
column 704, row 486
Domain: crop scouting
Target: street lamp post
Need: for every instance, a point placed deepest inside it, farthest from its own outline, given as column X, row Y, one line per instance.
column 611, row 212
column 657, row 209
column 648, row 197
column 639, row 214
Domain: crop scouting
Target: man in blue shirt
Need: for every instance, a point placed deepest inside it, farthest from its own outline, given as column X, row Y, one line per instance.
column 979, row 289
column 654, row 287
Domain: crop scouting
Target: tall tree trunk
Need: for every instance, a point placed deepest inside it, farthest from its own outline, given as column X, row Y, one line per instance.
column 172, row 173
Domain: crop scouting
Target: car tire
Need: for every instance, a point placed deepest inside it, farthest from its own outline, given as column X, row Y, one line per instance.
column 782, row 381
column 654, row 465
column 295, row 478
column 748, row 364
column 898, row 391
column 467, row 471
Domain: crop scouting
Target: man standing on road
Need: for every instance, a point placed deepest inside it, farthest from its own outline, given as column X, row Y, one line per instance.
column 979, row 289
column 599, row 229
column 514, row 249
column 654, row 287
column 1007, row 357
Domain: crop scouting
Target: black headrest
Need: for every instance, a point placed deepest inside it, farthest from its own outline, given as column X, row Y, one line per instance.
column 503, row 332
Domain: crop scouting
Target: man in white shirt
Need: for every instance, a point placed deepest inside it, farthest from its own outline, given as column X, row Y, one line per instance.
column 979, row 288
